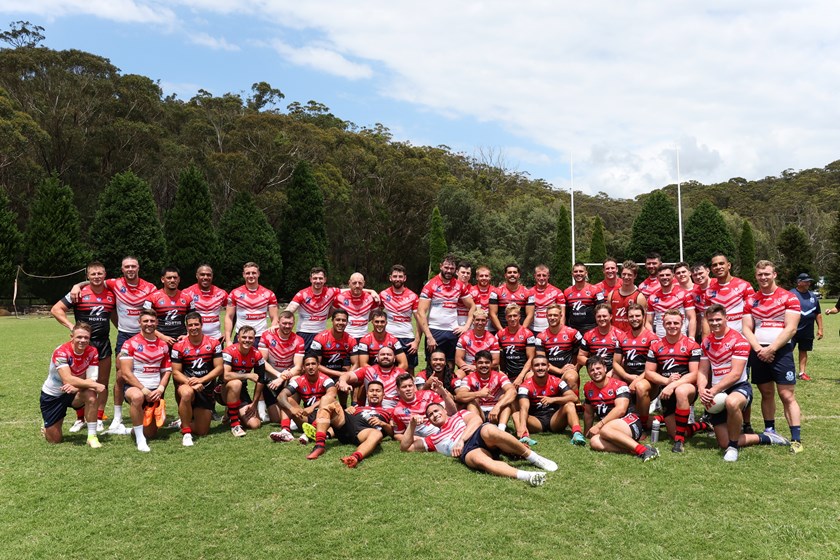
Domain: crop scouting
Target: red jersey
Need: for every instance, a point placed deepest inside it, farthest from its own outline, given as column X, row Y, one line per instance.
column 314, row 309
column 553, row 387
column 721, row 352
column 150, row 359
column 94, row 309
column 768, row 312
column 619, row 304
column 367, row 412
column 649, row 285
column 130, row 300
column 368, row 345
column 196, row 359
column 64, row 356
column 732, row 295
column 471, row 343
column 561, row 348
column 334, row 353
column 602, row 399
column 608, row 290
column 252, row 306
column 495, row 384
column 580, row 306
column 503, row 296
column 281, row 352
column 400, row 309
column 604, row 345
column 443, row 313
column 310, row 391
column 699, row 296
column 660, row 302
column 551, row 295
column 388, row 378
column 514, row 348
column 209, row 305
column 634, row 350
column 403, row 411
column 481, row 298
column 448, row 435
column 243, row 363
column 170, row 310
column 673, row 358
column 358, row 309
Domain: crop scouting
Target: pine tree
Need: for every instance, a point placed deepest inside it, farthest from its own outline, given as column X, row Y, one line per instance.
column 705, row 234
column 247, row 236
column 597, row 250
column 656, row 228
column 437, row 242
column 303, row 231
column 834, row 270
column 126, row 223
column 52, row 242
column 746, row 250
column 190, row 233
column 10, row 246
column 796, row 253
column 561, row 267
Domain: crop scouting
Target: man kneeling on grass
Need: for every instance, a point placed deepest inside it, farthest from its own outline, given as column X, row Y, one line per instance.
column 547, row 404
column 363, row 425
column 477, row 444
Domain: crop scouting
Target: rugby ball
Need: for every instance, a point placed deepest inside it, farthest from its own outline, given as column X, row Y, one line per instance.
column 718, row 405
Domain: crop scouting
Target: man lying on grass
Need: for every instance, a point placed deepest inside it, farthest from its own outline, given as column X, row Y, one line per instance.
column 477, row 444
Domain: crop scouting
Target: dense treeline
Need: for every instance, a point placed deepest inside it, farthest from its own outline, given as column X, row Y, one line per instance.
column 72, row 119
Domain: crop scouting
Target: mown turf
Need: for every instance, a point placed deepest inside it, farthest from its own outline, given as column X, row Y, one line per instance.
column 250, row 498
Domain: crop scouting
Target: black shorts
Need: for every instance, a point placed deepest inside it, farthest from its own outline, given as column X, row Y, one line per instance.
column 446, row 341
column 348, row 434
column 781, row 370
column 103, row 346
column 669, row 406
column 205, row 399
column 635, row 423
column 745, row 389
column 805, row 343
column 54, row 409
column 544, row 416
column 477, row 442
column 122, row 338
column 413, row 360
column 307, row 337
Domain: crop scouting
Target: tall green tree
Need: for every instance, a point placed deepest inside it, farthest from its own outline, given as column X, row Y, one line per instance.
column 561, row 266
column 303, row 231
column 796, row 254
column 190, row 232
column 52, row 242
column 437, row 242
column 705, row 234
column 597, row 250
column 247, row 236
column 656, row 228
column 126, row 223
column 10, row 246
column 746, row 250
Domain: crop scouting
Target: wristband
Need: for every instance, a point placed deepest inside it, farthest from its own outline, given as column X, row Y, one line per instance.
column 161, row 388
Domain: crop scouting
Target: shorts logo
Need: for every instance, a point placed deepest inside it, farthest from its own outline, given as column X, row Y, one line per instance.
column 789, row 376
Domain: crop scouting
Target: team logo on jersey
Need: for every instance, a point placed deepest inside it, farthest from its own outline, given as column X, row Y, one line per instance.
column 198, row 363
column 139, row 347
column 186, row 352
column 610, row 392
column 590, row 394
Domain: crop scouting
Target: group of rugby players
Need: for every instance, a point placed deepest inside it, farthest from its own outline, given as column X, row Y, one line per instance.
column 494, row 354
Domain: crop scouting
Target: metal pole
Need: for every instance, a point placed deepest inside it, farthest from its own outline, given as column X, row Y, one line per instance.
column 572, row 191
column 679, row 204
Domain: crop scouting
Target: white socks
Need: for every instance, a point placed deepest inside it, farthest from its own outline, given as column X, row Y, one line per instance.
column 141, row 439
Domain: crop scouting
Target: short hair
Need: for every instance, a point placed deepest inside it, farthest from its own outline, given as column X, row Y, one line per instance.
column 662, row 267
column 398, row 268
column 682, row 264
column 698, row 265
column 386, row 348
column 147, row 312
column 317, row 270
column 82, row 326
column 378, row 313
column 285, row 314
column 250, row 264
column 247, row 328
column 167, row 269
column 633, row 306
column 603, row 305
column 192, row 315
column 204, row 265
column 450, row 259
column 577, row 264
column 653, row 255
column 337, row 312
column 94, row 264
column 630, row 265
column 764, row 264
column 541, row 267
column 609, row 259
column 595, row 359
column 556, row 306
column 479, row 312
column 403, row 377
column 313, row 356
column 484, row 267
column 375, row 382
column 484, row 355
column 540, row 356
column 720, row 254
column 130, row 258
column 512, row 308
column 513, row 265
column 714, row 309
column 672, row 313
column 464, row 264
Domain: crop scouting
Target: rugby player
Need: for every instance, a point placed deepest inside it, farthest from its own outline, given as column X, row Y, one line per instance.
column 545, row 295
column 301, row 398
column 146, row 369
column 367, row 347
column 627, row 293
column 197, row 366
column 630, row 360
column 560, row 344
column 413, row 402
column 682, row 274
column 283, row 352
column 463, row 272
column 476, row 444
column 517, row 346
column 700, row 279
column 437, row 368
column 334, row 347
column 511, row 292
column 437, row 310
column 547, row 404
column 486, row 392
column 208, row 299
column 474, row 340
column 313, row 306
column 602, row 341
column 94, row 305
column 171, row 306
column 383, row 370
column 668, row 296
column 771, row 316
column 608, row 416
column 250, row 305
column 611, row 280
column 650, row 284
column 358, row 303
column 723, row 369
column 400, row 305
column 72, row 382
column 482, row 291
column 243, row 363
column 581, row 299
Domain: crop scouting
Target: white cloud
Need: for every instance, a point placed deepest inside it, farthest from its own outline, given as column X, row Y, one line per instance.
column 124, row 11
column 215, row 43
column 322, row 58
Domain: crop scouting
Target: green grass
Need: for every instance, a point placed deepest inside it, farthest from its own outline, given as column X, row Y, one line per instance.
column 248, row 497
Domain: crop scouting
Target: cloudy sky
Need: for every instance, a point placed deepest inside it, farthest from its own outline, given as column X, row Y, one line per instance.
column 743, row 89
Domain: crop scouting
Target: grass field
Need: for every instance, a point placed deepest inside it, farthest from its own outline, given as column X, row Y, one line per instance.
column 250, row 498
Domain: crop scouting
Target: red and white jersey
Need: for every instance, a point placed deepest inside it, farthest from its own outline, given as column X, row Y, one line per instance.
column 481, row 298
column 358, row 309
column 602, row 399
column 443, row 313
column 151, row 359
column 634, row 350
column 721, row 352
column 130, row 300
column 196, row 359
column 242, row 363
column 604, row 345
column 534, row 392
column 170, row 310
column 209, row 305
column 449, row 434
column 698, row 293
column 334, row 352
column 542, row 299
column 495, row 383
column 310, row 391
column 732, row 295
column 619, row 304
column 659, row 302
column 252, row 307
column 314, row 309
column 471, row 343
column 281, row 352
column 607, row 289
column 462, row 310
column 403, row 411
column 674, row 358
column 80, row 366
column 561, row 348
column 94, row 309
column 400, row 309
column 388, row 378
column 769, row 311
column 649, row 285
column 369, row 346
column 503, row 296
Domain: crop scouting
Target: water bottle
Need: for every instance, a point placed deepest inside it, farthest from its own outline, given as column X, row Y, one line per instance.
column 654, row 431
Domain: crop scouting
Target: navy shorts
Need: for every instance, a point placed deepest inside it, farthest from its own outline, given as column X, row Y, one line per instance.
column 782, row 370
column 804, row 343
column 474, row 442
column 745, row 389
column 446, row 341
column 307, row 337
column 122, row 338
column 54, row 409
column 103, row 346
column 543, row 416
column 413, row 360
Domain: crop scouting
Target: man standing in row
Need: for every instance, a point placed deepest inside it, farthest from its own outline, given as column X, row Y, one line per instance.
column 437, row 314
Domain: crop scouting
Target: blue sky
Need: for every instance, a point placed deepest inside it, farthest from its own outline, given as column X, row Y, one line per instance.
column 742, row 91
